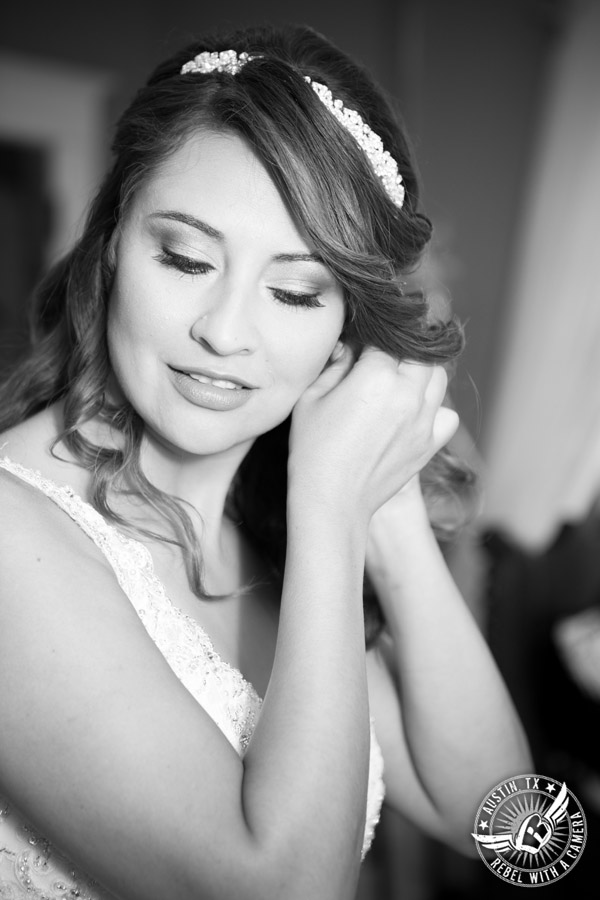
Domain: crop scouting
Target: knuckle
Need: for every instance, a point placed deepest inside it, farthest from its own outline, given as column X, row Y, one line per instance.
column 407, row 408
column 439, row 381
column 442, row 375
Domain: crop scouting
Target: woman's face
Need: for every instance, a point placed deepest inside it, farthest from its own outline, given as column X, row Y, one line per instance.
column 220, row 314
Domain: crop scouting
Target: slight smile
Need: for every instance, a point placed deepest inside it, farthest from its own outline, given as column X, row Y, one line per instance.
column 218, row 391
column 220, row 379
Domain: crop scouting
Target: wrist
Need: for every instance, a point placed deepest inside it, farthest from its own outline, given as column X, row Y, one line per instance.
column 326, row 517
column 400, row 544
column 308, row 496
column 401, row 519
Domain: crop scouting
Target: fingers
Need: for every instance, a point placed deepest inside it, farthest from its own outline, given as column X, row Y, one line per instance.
column 432, row 382
column 424, row 384
column 429, row 382
column 420, row 388
column 340, row 363
column 437, row 385
column 424, row 389
column 445, row 426
column 366, row 426
column 426, row 378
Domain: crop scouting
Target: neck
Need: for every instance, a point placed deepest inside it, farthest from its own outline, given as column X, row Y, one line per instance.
column 202, row 481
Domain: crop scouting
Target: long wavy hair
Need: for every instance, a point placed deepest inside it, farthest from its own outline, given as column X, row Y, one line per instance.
column 338, row 202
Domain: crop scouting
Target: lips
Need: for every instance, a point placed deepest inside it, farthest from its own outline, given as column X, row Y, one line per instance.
column 211, row 390
column 225, row 380
column 217, row 382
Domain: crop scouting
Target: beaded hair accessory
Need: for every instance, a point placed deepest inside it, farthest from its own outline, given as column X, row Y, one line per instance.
column 382, row 162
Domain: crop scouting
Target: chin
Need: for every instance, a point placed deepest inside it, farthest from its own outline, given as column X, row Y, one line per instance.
column 206, row 441
column 193, row 431
column 205, row 445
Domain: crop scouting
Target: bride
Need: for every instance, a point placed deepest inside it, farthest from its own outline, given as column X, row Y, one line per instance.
column 227, row 408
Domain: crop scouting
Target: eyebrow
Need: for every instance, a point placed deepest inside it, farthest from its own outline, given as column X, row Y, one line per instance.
column 186, row 219
column 215, row 234
column 298, row 257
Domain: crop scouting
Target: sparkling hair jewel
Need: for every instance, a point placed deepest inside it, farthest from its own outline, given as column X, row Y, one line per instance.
column 382, row 162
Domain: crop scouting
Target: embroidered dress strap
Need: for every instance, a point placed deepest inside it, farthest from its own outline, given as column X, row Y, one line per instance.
column 221, row 689
column 126, row 556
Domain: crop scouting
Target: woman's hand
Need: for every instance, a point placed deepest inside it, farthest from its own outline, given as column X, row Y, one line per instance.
column 364, row 428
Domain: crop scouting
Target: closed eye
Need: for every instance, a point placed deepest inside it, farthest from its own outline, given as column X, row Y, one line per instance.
column 183, row 264
column 188, row 266
column 293, row 298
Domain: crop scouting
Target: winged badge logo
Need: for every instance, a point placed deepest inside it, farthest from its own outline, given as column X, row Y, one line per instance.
column 530, row 830
column 534, row 832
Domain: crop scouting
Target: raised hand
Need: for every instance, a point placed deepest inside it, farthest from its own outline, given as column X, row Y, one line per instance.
column 365, row 428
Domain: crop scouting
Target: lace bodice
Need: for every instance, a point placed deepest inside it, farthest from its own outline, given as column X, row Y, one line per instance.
column 29, row 865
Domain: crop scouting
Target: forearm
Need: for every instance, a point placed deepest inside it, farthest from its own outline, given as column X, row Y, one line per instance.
column 306, row 768
column 461, row 728
column 359, row 433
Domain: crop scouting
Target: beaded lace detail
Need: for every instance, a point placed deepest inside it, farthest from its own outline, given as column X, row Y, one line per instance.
column 29, row 865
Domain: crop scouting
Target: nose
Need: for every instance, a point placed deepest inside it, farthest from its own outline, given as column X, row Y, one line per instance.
column 226, row 325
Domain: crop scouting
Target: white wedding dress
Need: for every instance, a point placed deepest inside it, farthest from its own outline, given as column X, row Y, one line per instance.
column 32, row 868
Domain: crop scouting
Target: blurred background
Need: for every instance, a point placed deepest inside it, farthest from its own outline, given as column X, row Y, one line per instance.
column 502, row 99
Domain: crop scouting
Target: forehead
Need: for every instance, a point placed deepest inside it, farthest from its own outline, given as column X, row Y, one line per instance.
column 218, row 177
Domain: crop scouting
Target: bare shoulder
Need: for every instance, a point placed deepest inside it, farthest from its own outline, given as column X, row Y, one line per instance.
column 34, row 528
column 55, row 583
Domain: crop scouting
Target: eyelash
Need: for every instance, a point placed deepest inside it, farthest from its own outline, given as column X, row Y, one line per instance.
column 188, row 266
column 289, row 298
column 183, row 264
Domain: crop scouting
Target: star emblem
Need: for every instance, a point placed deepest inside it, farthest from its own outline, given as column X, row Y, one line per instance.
column 483, row 825
column 550, row 788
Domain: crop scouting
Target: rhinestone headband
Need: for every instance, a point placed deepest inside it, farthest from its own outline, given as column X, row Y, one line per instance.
column 225, row 61
column 382, row 162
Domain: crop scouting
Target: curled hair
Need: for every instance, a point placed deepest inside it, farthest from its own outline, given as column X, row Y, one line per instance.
column 339, row 203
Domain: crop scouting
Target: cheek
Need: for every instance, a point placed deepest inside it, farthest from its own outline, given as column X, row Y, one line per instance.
column 302, row 357
column 120, row 308
column 133, row 319
column 127, row 337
